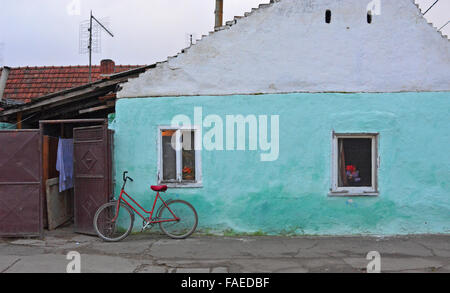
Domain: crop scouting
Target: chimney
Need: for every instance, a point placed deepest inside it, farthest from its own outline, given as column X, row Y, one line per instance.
column 219, row 13
column 3, row 80
column 107, row 67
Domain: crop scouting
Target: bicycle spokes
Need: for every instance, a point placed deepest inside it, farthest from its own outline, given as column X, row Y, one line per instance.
column 110, row 227
column 182, row 224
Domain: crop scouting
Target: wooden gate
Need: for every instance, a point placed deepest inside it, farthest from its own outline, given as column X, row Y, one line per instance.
column 20, row 183
column 92, row 171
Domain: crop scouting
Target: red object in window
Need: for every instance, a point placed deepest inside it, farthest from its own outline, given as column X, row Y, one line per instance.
column 187, row 170
column 351, row 168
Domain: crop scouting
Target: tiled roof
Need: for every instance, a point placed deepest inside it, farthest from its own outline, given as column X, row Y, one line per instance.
column 27, row 83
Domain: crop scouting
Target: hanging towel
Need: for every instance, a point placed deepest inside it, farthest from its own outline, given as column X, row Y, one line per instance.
column 64, row 164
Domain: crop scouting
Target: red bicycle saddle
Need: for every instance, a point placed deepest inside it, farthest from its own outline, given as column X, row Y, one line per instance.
column 159, row 188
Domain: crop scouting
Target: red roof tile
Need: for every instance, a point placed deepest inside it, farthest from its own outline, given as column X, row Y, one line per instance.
column 26, row 83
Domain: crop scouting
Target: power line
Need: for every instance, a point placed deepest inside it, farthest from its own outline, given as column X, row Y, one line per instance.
column 444, row 26
column 23, row 120
column 431, row 7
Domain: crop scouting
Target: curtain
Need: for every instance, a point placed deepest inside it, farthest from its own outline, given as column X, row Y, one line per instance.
column 342, row 176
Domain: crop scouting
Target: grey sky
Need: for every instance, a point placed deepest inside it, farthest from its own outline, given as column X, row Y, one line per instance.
column 42, row 32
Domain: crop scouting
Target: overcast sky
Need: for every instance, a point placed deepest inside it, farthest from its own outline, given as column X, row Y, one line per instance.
column 45, row 32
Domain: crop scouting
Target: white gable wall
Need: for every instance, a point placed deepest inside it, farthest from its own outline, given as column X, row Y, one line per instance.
column 288, row 47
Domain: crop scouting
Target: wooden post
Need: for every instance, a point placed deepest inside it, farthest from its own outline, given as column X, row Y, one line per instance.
column 19, row 120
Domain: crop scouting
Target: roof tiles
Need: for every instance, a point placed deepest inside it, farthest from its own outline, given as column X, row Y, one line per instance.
column 27, row 83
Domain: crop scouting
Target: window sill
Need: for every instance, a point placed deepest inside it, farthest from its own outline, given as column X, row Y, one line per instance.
column 353, row 194
column 182, row 185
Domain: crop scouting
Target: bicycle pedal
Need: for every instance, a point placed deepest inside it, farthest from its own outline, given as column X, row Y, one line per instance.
column 146, row 226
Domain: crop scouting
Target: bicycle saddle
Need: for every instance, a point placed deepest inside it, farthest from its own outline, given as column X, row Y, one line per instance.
column 161, row 188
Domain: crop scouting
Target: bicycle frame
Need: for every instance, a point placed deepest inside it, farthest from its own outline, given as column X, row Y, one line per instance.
column 149, row 220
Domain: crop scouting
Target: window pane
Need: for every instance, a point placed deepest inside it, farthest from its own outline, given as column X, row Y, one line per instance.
column 355, row 162
column 169, row 156
column 188, row 155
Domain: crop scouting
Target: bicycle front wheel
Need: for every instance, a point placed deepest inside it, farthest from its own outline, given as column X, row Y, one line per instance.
column 186, row 224
column 109, row 230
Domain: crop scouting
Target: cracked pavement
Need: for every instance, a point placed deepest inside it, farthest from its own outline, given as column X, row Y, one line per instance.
column 155, row 253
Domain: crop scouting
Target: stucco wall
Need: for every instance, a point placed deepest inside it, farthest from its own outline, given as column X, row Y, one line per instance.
column 7, row 126
column 290, row 195
column 288, row 47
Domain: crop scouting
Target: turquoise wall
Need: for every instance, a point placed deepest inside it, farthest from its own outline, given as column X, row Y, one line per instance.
column 290, row 195
column 7, row 126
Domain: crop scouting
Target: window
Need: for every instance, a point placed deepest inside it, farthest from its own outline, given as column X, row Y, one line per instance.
column 179, row 157
column 369, row 17
column 328, row 16
column 355, row 164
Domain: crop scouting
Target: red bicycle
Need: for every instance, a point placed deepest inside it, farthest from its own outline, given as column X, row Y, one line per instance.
column 114, row 221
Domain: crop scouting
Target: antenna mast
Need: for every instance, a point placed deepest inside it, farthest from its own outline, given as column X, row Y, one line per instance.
column 90, row 42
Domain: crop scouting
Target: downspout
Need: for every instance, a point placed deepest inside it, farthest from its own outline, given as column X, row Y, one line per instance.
column 219, row 14
column 3, row 80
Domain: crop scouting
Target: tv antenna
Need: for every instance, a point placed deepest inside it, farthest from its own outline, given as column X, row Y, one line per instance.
column 90, row 38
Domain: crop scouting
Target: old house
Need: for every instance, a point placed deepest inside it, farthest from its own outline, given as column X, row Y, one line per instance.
column 44, row 108
column 23, row 86
column 303, row 117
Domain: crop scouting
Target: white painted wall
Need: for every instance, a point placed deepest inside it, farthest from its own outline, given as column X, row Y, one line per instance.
column 288, row 47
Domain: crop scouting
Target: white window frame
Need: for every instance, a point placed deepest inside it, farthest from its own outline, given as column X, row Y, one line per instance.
column 335, row 190
column 179, row 183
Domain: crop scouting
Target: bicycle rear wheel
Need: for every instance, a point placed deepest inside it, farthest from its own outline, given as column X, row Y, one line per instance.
column 113, row 231
column 187, row 223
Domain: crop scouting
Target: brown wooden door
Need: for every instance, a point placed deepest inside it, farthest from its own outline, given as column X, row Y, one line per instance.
column 20, row 183
column 92, row 174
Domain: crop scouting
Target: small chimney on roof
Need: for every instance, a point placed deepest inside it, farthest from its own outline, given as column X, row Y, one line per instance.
column 3, row 79
column 219, row 13
column 107, row 66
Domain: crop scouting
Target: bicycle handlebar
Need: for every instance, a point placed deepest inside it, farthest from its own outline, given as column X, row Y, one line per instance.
column 125, row 177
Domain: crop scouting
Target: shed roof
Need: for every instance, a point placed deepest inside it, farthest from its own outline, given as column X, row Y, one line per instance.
column 27, row 83
column 74, row 102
